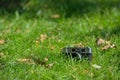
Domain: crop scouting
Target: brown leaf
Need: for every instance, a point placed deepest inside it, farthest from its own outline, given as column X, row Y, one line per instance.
column 39, row 61
column 106, row 47
column 104, row 44
column 55, row 16
column 49, row 65
column 52, row 47
column 100, row 41
column 25, row 60
column 43, row 37
column 2, row 42
column 35, row 60
column 79, row 45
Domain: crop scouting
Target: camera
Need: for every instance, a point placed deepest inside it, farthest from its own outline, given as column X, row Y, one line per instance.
column 77, row 52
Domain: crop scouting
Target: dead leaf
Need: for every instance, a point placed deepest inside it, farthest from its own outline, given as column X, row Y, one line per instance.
column 104, row 44
column 25, row 60
column 100, row 41
column 39, row 61
column 96, row 66
column 49, row 65
column 79, row 45
column 43, row 37
column 52, row 47
column 2, row 42
column 35, row 60
column 55, row 16
column 106, row 47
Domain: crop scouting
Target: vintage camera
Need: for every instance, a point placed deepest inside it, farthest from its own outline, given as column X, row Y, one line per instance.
column 77, row 52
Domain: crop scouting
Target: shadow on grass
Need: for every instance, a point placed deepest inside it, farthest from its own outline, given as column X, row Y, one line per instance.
column 69, row 7
column 116, row 31
column 105, row 33
column 11, row 5
column 84, row 6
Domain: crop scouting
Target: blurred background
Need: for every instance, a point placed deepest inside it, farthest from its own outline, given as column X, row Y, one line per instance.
column 66, row 8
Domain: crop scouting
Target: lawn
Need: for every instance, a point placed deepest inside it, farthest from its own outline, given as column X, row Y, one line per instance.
column 31, row 40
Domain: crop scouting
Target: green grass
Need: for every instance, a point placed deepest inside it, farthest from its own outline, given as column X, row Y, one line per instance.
column 80, row 22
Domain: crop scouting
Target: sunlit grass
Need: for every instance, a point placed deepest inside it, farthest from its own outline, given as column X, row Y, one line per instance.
column 22, row 35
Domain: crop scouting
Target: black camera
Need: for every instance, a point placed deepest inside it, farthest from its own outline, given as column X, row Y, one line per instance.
column 78, row 52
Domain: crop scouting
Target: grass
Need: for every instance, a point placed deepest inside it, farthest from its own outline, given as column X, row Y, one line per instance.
column 78, row 23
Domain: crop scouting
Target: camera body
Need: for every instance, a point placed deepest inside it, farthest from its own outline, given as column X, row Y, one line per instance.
column 78, row 52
